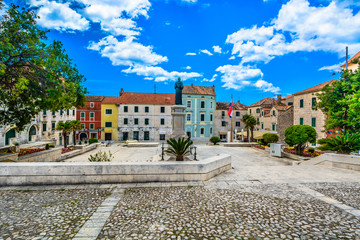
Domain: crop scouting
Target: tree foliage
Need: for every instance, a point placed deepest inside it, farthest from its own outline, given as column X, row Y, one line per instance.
column 299, row 135
column 34, row 75
column 215, row 139
column 250, row 123
column 271, row 138
column 64, row 127
column 340, row 101
column 74, row 126
column 179, row 148
column 346, row 143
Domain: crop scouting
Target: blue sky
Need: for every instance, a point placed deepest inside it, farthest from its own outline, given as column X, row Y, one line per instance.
column 250, row 49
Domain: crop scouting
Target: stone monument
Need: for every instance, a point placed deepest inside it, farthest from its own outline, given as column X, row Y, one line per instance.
column 178, row 113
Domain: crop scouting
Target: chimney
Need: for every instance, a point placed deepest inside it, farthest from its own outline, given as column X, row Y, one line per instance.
column 121, row 92
column 238, row 101
column 192, row 84
column 278, row 99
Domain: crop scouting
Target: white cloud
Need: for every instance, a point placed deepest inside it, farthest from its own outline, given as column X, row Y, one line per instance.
column 232, row 58
column 159, row 74
column 190, row 54
column 266, row 86
column 217, row 49
column 59, row 16
column 206, row 52
column 167, row 23
column 189, row 1
column 299, row 27
column 188, row 67
column 121, row 26
column 127, row 52
column 211, row 80
column 332, row 68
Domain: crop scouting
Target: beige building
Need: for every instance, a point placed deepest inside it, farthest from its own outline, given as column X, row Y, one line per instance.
column 222, row 122
column 353, row 63
column 304, row 112
column 145, row 116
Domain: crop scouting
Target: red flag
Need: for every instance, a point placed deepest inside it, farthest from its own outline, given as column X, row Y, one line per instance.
column 230, row 109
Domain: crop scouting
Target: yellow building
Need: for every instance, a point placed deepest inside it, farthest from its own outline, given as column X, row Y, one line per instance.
column 109, row 118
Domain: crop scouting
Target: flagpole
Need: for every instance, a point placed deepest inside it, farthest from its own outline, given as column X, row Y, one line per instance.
column 231, row 124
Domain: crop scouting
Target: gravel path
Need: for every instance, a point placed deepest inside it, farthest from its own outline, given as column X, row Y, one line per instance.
column 54, row 214
column 200, row 213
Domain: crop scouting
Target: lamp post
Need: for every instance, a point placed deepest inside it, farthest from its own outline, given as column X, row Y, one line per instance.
column 162, row 151
column 195, row 154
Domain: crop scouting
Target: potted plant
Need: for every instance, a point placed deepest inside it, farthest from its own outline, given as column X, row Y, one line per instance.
column 179, row 148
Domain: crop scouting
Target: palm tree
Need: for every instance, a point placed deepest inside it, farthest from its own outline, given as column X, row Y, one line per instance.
column 245, row 120
column 179, row 148
column 64, row 127
column 250, row 123
column 75, row 125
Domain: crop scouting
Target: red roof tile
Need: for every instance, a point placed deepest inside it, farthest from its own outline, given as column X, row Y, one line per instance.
column 199, row 90
column 147, row 98
column 93, row 98
column 349, row 61
column 315, row 88
column 111, row 100
column 226, row 105
column 265, row 101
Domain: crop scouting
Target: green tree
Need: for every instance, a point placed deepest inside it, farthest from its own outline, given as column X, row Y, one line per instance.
column 75, row 125
column 250, row 123
column 299, row 136
column 215, row 139
column 340, row 102
column 179, row 148
column 271, row 138
column 34, row 75
column 64, row 127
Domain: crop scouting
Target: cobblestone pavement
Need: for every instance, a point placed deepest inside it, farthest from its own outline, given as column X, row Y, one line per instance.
column 52, row 214
column 256, row 212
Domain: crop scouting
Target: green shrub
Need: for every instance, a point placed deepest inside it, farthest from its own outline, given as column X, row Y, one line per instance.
column 16, row 143
column 93, row 140
column 101, row 157
column 311, row 150
column 271, row 138
column 268, row 145
column 179, row 148
column 80, row 142
column 215, row 139
column 47, row 147
column 298, row 136
column 85, row 141
column 51, row 145
column 342, row 144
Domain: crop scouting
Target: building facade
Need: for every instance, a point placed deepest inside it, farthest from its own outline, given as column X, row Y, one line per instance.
column 261, row 111
column 200, row 105
column 90, row 118
column 304, row 111
column 353, row 63
column 145, row 116
column 109, row 118
column 31, row 133
column 222, row 122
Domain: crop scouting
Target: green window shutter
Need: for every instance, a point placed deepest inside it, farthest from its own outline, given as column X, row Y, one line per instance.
column 313, row 102
column 125, row 108
column 61, row 112
column 301, row 121
column 162, row 121
column 125, row 121
column 313, row 122
column 136, row 121
column 68, row 112
column 301, row 103
column 44, row 112
column 44, row 127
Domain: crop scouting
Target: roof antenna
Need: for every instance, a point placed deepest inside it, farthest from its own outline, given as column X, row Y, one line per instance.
column 155, row 88
column 347, row 55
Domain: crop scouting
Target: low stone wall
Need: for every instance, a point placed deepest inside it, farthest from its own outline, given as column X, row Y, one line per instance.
column 143, row 144
column 9, row 157
column 239, row 144
column 349, row 162
column 50, row 155
column 111, row 172
column 80, row 149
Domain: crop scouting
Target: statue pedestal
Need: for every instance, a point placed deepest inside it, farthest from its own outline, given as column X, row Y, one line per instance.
column 178, row 121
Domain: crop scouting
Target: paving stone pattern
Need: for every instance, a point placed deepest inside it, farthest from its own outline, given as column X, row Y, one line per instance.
column 54, row 214
column 200, row 213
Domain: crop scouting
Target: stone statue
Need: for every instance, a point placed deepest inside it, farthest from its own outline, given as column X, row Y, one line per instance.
column 178, row 92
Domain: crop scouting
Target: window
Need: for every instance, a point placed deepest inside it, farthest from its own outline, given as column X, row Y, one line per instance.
column 82, row 115
column 290, row 103
column 210, row 130
column 211, row 117
column 237, row 113
column 67, row 112
column 73, row 112
column 53, row 126
column 92, row 126
column 91, row 104
column 146, row 135
column 202, row 117
column 162, row 137
column 262, row 113
column 188, row 117
column 210, row 104
column 108, row 111
column 44, row 127
column 162, row 109
column 301, row 103
column 136, row 109
column 250, row 111
column 237, row 124
column 274, row 113
column 136, row 135
column 274, row 127
column 202, row 130
column 136, row 121
column 162, row 121
column 53, row 113
column 313, row 122
column 223, row 113
column 262, row 125
column 125, row 121
column 202, row 104
column 92, row 114
column 83, row 126
column 257, row 120
column 301, row 121
column 44, row 112
column 125, row 108
column 258, row 110
column 223, row 123
column 146, row 109
column 61, row 112
column 108, row 124
column 188, row 104
column 313, row 101
column 146, row 121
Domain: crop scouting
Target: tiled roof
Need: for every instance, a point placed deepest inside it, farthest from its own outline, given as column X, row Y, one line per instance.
column 199, row 90
column 282, row 107
column 315, row 88
column 349, row 61
column 287, row 97
column 93, row 98
column 225, row 106
column 267, row 115
column 113, row 100
column 147, row 98
column 265, row 101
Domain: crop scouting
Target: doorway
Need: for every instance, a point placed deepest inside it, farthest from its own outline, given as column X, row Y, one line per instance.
column 108, row 136
column 9, row 134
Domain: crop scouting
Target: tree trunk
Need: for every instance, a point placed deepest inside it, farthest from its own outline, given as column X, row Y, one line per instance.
column 74, row 138
column 248, row 134
column 64, row 136
column 252, row 134
column 179, row 158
